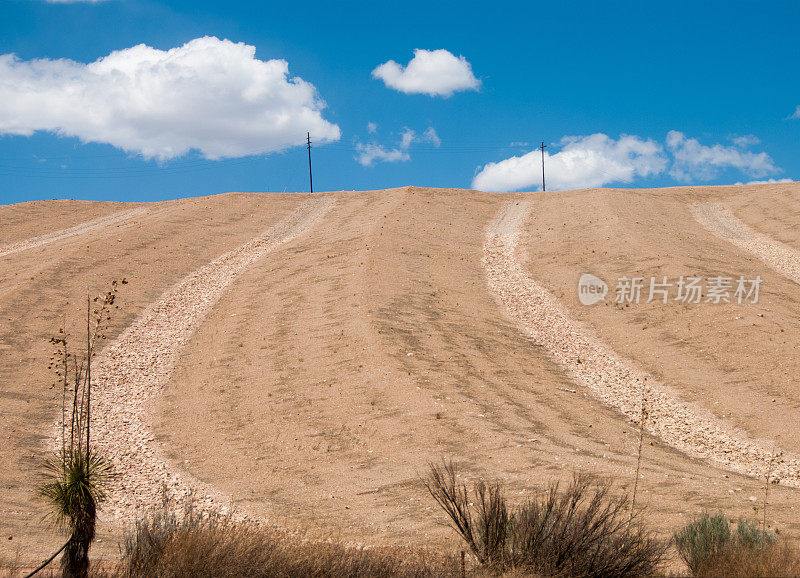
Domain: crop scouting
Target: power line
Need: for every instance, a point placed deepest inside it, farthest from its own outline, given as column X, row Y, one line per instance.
column 9, row 166
column 466, row 147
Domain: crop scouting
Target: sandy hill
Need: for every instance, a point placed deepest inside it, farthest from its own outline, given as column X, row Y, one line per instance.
column 302, row 358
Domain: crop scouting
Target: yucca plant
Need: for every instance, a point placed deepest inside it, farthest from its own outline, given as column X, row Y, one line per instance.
column 73, row 486
column 73, row 479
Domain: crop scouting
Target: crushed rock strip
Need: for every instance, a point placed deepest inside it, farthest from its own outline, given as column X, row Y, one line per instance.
column 719, row 219
column 130, row 373
column 81, row 229
column 611, row 378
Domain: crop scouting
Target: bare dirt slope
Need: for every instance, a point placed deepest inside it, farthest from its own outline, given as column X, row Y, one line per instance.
column 38, row 286
column 331, row 370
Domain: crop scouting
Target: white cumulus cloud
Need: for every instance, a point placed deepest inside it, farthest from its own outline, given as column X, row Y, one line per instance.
column 582, row 162
column 692, row 160
column 597, row 160
column 431, row 72
column 209, row 95
column 371, row 152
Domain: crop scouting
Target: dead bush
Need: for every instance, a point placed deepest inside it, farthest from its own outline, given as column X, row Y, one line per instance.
column 583, row 530
column 774, row 559
column 188, row 544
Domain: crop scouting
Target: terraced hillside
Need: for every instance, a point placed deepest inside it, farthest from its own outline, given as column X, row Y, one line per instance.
column 301, row 359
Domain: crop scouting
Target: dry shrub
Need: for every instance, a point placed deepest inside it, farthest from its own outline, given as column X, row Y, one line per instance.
column 189, row 544
column 700, row 542
column 775, row 559
column 711, row 548
column 581, row 531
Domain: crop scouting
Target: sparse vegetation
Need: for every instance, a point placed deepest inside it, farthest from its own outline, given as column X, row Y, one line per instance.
column 642, row 422
column 185, row 543
column 711, row 548
column 703, row 540
column 73, row 487
column 583, row 530
column 775, row 559
column 73, row 478
column 578, row 529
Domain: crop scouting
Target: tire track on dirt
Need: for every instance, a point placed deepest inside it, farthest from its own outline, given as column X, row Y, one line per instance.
column 81, row 229
column 611, row 378
column 130, row 373
column 721, row 221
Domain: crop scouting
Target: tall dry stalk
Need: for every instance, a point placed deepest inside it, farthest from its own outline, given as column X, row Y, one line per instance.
column 642, row 421
column 73, row 479
column 767, row 477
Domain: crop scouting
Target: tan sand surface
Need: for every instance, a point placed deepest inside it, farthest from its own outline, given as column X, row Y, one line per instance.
column 132, row 371
column 81, row 229
column 333, row 368
column 616, row 381
column 720, row 220
column 37, row 288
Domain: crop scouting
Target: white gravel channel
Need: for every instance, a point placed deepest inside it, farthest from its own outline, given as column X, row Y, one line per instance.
column 130, row 373
column 81, row 229
column 719, row 219
column 612, row 379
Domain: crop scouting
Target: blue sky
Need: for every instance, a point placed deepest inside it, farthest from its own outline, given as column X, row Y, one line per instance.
column 633, row 94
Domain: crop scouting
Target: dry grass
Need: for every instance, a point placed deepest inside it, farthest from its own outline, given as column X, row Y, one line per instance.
column 581, row 531
column 187, row 544
column 711, row 548
column 777, row 559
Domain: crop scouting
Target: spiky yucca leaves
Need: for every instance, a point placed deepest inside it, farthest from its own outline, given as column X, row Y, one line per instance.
column 73, row 485
column 71, row 482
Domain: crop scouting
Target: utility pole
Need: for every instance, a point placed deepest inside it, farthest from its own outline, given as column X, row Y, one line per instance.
column 544, row 146
column 310, row 177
